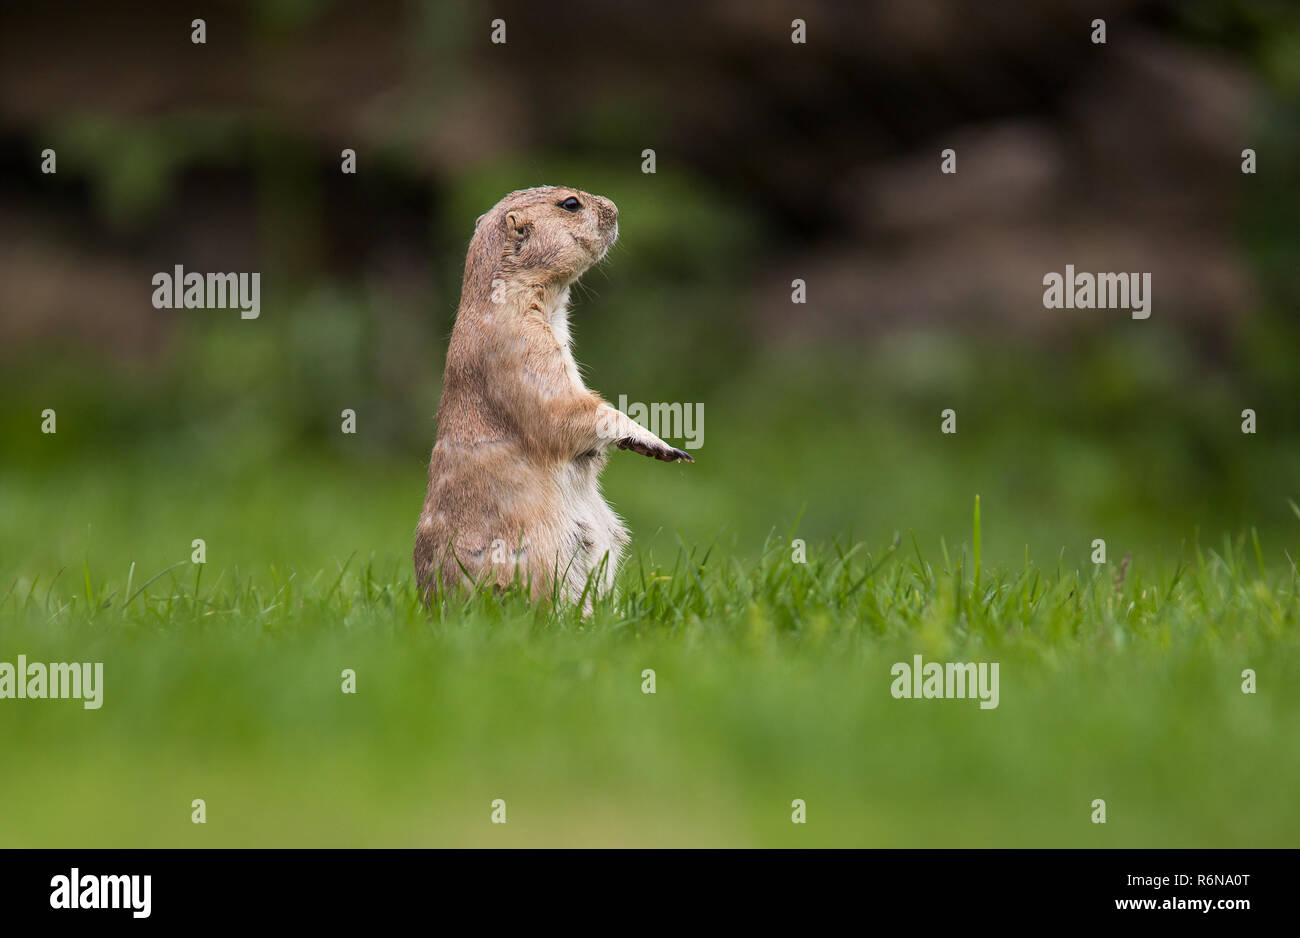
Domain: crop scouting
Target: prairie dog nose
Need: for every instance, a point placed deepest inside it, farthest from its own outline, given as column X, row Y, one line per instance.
column 608, row 211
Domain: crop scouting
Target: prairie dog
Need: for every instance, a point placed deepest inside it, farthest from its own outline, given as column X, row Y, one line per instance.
column 513, row 493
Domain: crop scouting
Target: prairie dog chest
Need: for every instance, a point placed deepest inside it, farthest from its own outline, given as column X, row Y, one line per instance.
column 558, row 319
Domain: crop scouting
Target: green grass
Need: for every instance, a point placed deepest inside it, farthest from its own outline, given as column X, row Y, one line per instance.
column 1120, row 682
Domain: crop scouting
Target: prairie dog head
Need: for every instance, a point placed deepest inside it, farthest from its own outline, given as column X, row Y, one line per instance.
column 550, row 234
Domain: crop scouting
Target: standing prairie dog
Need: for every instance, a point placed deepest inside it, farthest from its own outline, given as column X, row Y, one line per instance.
column 513, row 494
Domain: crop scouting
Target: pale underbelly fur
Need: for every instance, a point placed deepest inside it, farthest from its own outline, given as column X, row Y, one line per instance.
column 547, row 526
column 596, row 538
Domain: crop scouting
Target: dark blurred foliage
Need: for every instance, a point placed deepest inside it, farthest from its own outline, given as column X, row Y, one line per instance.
column 775, row 161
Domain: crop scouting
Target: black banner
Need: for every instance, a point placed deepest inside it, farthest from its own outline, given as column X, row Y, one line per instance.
column 336, row 887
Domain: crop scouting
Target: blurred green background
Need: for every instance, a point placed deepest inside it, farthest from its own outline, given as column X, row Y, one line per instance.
column 775, row 161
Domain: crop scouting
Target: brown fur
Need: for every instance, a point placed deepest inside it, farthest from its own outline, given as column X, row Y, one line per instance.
column 513, row 494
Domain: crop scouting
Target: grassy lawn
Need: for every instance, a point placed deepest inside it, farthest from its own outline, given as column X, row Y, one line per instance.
column 1119, row 681
column 772, row 683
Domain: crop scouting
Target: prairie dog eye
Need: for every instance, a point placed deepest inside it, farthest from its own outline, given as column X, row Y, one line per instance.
column 570, row 204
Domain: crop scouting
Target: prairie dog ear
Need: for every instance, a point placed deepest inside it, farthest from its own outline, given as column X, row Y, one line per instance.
column 517, row 224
